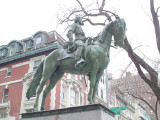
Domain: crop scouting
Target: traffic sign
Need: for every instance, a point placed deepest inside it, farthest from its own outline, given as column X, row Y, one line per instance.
column 117, row 112
column 118, row 108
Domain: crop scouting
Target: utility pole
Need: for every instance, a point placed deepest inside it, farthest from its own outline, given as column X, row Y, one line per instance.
column 107, row 88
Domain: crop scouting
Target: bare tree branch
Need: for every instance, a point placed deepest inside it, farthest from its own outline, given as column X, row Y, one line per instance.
column 93, row 23
column 102, row 6
column 98, row 4
column 125, row 70
column 157, row 10
column 147, row 14
column 85, row 12
column 156, row 108
column 140, row 98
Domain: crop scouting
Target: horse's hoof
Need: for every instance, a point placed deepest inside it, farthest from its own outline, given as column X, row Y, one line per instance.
column 91, row 102
column 94, row 101
column 35, row 109
column 42, row 108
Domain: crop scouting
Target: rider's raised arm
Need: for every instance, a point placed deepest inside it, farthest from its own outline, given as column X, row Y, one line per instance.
column 71, row 31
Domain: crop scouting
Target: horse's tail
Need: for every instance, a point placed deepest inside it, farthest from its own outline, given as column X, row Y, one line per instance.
column 35, row 82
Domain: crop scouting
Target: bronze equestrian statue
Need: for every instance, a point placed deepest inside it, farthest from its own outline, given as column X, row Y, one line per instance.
column 95, row 56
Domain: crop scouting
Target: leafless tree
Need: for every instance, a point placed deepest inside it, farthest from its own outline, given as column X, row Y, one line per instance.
column 99, row 11
column 133, row 86
column 140, row 94
column 154, row 108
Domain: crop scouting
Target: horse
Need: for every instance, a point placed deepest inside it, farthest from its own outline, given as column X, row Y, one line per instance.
column 96, row 57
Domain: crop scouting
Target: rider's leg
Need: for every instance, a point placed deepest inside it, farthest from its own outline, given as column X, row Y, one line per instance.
column 80, row 62
column 79, row 52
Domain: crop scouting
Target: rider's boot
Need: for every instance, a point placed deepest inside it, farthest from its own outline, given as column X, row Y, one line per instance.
column 79, row 60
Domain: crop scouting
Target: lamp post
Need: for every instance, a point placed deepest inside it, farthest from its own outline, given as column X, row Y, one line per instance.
column 107, row 88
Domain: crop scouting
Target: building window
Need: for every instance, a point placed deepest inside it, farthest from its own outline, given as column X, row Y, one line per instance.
column 102, row 79
column 3, row 115
column 36, row 64
column 151, row 111
column 38, row 42
column 26, row 46
column 9, row 70
column 62, row 92
column 73, row 97
column 5, row 95
column 12, row 50
column 149, row 98
column 144, row 106
column 101, row 94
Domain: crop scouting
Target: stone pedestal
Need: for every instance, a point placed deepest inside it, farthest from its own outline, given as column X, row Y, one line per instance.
column 88, row 112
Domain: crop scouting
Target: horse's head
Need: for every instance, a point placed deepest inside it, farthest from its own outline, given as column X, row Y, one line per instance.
column 118, row 31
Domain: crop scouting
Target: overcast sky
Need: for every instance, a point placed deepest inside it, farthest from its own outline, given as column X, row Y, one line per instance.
column 22, row 18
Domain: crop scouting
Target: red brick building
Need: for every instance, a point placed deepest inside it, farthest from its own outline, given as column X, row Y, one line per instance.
column 18, row 61
column 134, row 86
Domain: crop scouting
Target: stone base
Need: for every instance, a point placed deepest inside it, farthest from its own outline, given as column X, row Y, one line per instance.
column 88, row 112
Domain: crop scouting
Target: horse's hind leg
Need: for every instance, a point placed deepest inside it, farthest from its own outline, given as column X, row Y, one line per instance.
column 53, row 80
column 44, row 79
column 48, row 70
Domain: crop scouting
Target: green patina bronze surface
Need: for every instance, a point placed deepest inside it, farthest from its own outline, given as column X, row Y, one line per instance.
column 95, row 56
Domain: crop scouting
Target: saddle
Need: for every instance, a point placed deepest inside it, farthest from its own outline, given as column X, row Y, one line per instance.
column 69, row 50
column 70, row 47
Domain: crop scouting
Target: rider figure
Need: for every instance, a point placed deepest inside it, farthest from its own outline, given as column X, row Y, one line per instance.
column 80, row 38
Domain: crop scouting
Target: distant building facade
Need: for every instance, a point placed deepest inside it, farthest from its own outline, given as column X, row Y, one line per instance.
column 18, row 62
column 133, row 85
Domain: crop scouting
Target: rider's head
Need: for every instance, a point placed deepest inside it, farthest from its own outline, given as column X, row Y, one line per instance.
column 78, row 19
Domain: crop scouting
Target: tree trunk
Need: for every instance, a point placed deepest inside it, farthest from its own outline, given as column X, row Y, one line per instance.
column 139, row 62
column 155, row 23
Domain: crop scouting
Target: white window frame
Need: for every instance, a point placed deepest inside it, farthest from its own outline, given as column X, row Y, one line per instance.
column 62, row 92
column 12, row 50
column 73, row 97
column 36, row 67
column 38, row 43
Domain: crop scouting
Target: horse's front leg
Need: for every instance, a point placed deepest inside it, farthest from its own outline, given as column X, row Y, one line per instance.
column 92, row 78
column 99, row 75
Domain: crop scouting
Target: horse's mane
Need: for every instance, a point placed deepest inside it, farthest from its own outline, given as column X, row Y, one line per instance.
column 100, row 37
